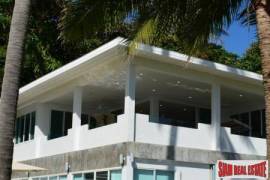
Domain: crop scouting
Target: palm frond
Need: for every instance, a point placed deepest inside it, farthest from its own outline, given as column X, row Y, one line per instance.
column 191, row 21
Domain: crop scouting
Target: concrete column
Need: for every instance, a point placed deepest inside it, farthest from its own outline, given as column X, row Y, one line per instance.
column 77, row 107
column 177, row 175
column 216, row 116
column 42, row 127
column 127, row 170
column 76, row 116
column 129, row 108
column 154, row 109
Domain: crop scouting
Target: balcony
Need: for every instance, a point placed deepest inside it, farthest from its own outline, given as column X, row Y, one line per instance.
column 146, row 103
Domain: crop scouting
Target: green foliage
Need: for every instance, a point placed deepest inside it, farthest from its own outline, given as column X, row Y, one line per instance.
column 251, row 60
column 218, row 54
column 191, row 21
column 44, row 51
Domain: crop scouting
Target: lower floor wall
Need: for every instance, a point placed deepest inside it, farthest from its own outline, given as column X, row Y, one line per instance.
column 130, row 161
column 140, row 171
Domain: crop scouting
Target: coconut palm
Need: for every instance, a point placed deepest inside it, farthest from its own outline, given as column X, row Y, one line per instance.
column 191, row 21
column 9, row 95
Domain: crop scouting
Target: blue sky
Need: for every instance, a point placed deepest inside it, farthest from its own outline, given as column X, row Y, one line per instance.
column 239, row 38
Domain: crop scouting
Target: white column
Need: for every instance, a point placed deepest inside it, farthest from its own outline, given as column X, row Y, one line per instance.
column 130, row 100
column 127, row 170
column 216, row 116
column 154, row 109
column 77, row 107
column 42, row 127
column 76, row 116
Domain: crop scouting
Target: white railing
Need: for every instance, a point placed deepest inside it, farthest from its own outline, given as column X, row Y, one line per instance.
column 155, row 133
column 79, row 139
column 146, row 132
column 241, row 144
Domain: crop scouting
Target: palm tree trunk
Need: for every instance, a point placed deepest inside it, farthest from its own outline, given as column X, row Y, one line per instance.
column 10, row 86
column 263, row 26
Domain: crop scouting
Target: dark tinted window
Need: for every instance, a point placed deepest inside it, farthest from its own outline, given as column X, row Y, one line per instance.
column 21, row 130
column 176, row 114
column 68, row 122
column 143, row 108
column 17, row 127
column 27, row 127
column 102, row 175
column 205, row 115
column 33, row 122
column 263, row 125
column 56, row 124
column 256, row 123
column 89, row 176
column 92, row 123
column 84, row 119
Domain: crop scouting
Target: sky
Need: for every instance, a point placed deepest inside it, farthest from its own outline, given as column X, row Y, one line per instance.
column 239, row 38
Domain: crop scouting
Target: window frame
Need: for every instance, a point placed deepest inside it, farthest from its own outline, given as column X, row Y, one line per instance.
column 20, row 128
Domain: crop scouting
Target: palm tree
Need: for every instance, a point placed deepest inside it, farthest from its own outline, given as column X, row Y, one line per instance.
column 9, row 95
column 191, row 21
column 262, row 9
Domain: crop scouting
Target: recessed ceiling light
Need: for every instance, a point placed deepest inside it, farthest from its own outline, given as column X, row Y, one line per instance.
column 178, row 82
column 160, row 105
column 141, row 74
column 154, row 90
column 189, row 97
column 240, row 95
column 185, row 109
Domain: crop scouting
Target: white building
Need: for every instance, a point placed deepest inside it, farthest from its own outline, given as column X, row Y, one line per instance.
column 157, row 114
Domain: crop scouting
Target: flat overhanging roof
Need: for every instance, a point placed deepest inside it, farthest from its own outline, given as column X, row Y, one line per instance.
column 110, row 49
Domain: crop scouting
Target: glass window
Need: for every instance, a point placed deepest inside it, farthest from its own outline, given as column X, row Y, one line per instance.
column 21, row 131
column 84, row 119
column 143, row 108
column 256, row 123
column 56, row 129
column 103, row 175
column 239, row 124
column 24, row 128
column 164, row 175
column 115, row 175
column 68, row 122
column 264, row 124
column 92, row 123
column 17, row 127
column 205, row 115
column 33, row 122
column 177, row 114
column 118, row 112
column 64, row 177
column 144, row 174
column 43, row 178
column 53, row 178
column 89, row 176
column 35, row 178
column 77, row 177
column 27, row 127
